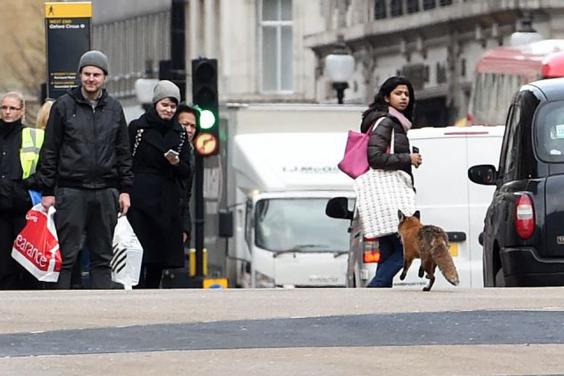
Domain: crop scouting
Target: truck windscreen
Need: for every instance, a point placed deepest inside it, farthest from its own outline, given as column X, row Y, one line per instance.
column 299, row 224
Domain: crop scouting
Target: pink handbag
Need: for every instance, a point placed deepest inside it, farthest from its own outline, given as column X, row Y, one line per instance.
column 355, row 161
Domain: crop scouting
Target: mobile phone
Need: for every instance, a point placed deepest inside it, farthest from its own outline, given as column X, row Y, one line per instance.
column 171, row 153
column 415, row 149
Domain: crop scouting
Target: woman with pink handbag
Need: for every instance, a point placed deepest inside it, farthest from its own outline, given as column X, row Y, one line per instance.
column 388, row 150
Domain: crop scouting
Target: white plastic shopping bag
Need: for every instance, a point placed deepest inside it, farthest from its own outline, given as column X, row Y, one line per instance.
column 128, row 254
column 36, row 247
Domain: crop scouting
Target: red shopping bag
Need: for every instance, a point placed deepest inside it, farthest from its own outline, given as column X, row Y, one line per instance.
column 36, row 247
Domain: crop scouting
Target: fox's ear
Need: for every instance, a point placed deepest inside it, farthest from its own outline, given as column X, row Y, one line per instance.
column 417, row 214
column 401, row 216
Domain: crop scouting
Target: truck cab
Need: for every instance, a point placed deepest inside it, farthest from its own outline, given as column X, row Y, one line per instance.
column 272, row 179
column 286, row 180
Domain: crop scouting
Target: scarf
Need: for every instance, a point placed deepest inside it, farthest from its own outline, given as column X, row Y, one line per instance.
column 406, row 124
column 6, row 128
column 159, row 124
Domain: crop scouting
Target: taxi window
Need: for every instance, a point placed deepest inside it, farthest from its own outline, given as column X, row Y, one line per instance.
column 550, row 132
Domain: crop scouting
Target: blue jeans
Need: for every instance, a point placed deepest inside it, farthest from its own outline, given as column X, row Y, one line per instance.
column 391, row 261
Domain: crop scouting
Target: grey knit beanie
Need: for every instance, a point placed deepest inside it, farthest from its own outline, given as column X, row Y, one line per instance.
column 166, row 89
column 94, row 58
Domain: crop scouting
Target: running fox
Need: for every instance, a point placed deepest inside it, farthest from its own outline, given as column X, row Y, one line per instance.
column 430, row 244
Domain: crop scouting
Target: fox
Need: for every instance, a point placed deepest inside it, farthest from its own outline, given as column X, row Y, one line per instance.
column 430, row 244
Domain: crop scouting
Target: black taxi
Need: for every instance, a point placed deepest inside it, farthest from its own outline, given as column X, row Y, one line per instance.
column 523, row 237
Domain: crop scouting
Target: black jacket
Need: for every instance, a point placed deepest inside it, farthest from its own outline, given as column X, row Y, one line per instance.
column 14, row 197
column 158, row 192
column 379, row 143
column 85, row 147
column 154, row 143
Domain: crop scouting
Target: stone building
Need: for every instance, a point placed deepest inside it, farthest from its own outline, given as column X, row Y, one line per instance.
column 274, row 50
column 435, row 43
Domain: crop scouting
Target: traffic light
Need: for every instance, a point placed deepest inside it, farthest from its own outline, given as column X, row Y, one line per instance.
column 204, row 94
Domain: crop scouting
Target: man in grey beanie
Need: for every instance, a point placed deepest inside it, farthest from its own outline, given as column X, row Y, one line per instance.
column 86, row 170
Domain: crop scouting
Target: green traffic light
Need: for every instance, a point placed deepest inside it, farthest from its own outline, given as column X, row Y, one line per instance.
column 207, row 119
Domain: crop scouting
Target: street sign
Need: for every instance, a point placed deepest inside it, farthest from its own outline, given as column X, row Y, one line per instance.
column 67, row 26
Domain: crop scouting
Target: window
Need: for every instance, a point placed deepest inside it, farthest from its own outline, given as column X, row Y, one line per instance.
column 276, row 49
column 444, row 3
column 396, row 8
column 380, row 9
column 429, row 4
column 549, row 129
column 412, row 6
column 512, row 143
column 298, row 224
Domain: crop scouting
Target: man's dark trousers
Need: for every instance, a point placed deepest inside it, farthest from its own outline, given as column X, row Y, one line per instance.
column 92, row 212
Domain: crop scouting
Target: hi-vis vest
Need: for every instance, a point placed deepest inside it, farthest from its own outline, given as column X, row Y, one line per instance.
column 32, row 139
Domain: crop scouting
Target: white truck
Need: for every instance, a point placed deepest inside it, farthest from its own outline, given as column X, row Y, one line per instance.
column 269, row 187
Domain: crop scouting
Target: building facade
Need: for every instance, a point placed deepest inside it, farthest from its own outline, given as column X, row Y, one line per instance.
column 274, row 50
column 259, row 45
column 435, row 43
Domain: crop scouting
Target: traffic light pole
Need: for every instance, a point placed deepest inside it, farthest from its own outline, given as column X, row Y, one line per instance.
column 206, row 144
column 199, row 214
column 177, row 44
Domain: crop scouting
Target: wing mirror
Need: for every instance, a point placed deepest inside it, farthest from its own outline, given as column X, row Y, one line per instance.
column 483, row 174
column 338, row 207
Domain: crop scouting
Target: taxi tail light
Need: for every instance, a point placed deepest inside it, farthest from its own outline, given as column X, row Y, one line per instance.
column 371, row 251
column 524, row 217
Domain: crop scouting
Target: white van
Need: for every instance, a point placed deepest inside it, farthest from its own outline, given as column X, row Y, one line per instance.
column 445, row 197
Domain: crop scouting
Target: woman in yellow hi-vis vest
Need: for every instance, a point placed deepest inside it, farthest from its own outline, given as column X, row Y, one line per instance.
column 19, row 150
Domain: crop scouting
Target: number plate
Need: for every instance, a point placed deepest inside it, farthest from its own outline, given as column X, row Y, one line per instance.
column 453, row 249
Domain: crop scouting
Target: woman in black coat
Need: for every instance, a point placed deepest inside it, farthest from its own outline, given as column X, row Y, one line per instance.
column 14, row 198
column 395, row 100
column 161, row 161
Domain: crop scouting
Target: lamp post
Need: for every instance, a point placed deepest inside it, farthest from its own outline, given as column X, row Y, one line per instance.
column 525, row 33
column 144, row 90
column 339, row 66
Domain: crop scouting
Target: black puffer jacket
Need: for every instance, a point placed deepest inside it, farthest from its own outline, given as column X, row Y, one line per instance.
column 84, row 147
column 13, row 194
column 378, row 152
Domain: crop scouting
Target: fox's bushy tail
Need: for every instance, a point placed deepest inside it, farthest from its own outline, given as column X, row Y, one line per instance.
column 444, row 261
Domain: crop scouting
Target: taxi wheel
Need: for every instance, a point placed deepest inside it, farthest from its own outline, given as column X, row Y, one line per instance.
column 499, row 278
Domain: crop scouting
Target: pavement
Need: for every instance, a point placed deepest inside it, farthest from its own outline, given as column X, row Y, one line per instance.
column 283, row 331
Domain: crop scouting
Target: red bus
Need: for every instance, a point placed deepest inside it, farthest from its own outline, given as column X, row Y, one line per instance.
column 501, row 72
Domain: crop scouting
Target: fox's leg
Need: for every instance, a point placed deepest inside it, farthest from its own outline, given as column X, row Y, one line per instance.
column 430, row 284
column 406, row 265
column 430, row 277
column 427, row 266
